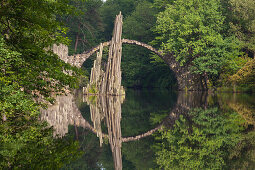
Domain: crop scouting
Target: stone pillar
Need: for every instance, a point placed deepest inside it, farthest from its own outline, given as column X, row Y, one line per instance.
column 112, row 78
column 96, row 75
column 186, row 80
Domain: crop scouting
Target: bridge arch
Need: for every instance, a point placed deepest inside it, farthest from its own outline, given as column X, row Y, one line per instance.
column 79, row 59
column 185, row 79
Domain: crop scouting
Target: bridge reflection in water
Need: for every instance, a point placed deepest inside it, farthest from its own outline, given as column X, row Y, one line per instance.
column 65, row 112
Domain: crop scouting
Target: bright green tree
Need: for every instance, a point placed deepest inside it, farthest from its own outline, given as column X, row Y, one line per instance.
column 239, row 22
column 191, row 30
column 27, row 28
column 28, row 70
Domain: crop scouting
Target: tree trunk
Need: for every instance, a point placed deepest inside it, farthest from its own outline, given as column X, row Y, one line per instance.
column 76, row 133
column 77, row 39
column 206, row 81
column 76, row 42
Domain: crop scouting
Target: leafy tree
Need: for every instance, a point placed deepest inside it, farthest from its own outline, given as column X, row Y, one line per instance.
column 241, row 16
column 28, row 70
column 201, row 142
column 139, row 23
column 25, row 142
column 27, row 28
column 246, row 75
column 239, row 21
column 230, row 68
column 192, row 32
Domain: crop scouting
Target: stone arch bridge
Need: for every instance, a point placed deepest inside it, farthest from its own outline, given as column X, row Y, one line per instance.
column 185, row 79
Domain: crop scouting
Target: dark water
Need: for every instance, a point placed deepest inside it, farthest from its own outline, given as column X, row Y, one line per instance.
column 158, row 129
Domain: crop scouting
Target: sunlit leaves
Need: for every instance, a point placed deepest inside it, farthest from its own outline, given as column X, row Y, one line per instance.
column 246, row 75
column 28, row 27
column 26, row 69
column 192, row 32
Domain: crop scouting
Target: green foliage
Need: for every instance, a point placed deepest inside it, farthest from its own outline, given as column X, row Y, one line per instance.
column 139, row 23
column 138, row 71
column 201, row 141
column 16, row 70
column 246, row 75
column 225, row 55
column 242, row 155
column 27, row 29
column 15, row 105
column 138, row 154
column 33, row 22
column 191, row 31
column 28, row 71
column 110, row 9
column 93, row 89
column 232, row 66
column 93, row 99
column 236, row 63
column 241, row 16
column 25, row 141
column 85, row 26
column 9, row 62
column 35, row 148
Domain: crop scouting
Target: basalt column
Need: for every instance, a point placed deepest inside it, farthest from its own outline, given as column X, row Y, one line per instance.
column 96, row 75
column 111, row 84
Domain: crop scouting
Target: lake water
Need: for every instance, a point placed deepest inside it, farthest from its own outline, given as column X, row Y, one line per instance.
column 158, row 129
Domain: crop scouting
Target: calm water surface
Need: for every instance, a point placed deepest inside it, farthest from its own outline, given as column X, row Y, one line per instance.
column 158, row 129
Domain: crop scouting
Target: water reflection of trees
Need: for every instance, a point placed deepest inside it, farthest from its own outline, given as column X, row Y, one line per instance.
column 200, row 138
column 29, row 144
column 210, row 137
column 108, row 109
column 243, row 104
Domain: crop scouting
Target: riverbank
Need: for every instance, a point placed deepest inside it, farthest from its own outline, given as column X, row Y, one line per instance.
column 237, row 89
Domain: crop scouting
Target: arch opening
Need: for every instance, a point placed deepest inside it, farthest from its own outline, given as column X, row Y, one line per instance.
column 149, row 75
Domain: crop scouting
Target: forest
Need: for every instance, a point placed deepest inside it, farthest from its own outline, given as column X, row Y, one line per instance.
column 214, row 39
